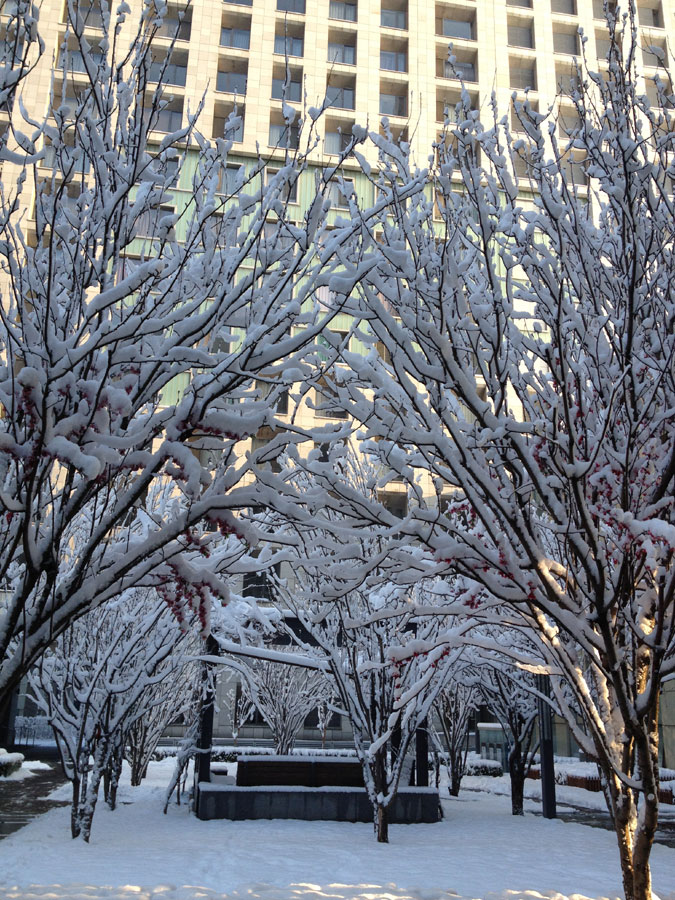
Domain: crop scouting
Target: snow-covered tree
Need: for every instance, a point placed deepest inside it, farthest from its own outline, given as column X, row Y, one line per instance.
column 367, row 640
column 176, row 701
column 241, row 710
column 454, row 706
column 511, row 696
column 133, row 324
column 363, row 636
column 113, row 668
column 526, row 309
column 283, row 694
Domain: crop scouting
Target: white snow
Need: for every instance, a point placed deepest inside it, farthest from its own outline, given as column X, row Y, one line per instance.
column 478, row 851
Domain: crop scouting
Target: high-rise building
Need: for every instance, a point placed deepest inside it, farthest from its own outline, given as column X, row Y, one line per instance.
column 360, row 59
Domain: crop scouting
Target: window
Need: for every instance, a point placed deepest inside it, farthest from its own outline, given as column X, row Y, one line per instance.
column 324, row 399
column 224, row 126
column 288, row 45
column 395, row 502
column 457, row 29
column 569, row 122
column 337, row 141
column 166, row 120
column 229, row 180
column 146, row 224
column 67, row 160
column 289, row 191
column 599, row 11
column 292, row 6
column 564, row 7
column 393, row 105
column 659, row 96
column 655, row 53
column 90, row 13
column 464, row 69
column 602, row 44
column 312, row 720
column 340, row 97
column 178, row 24
column 522, row 76
column 566, row 42
column 264, row 387
column 567, row 79
column 346, row 12
column 172, row 72
column 525, row 4
column 267, row 459
column 241, row 2
column 231, row 82
column 651, row 16
column 342, row 337
column 286, row 90
column 394, row 18
column 240, row 38
column 342, row 53
column 164, row 172
column 573, row 170
column 74, row 59
column 394, row 61
column 338, row 193
column 259, row 584
column 521, row 34
column 284, row 135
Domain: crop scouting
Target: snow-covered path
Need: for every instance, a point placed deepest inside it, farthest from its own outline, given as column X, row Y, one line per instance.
column 479, row 850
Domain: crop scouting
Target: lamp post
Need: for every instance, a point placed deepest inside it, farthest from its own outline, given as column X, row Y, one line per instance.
column 546, row 749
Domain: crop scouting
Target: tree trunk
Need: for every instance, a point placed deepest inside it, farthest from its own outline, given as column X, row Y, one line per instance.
column 382, row 824
column 455, row 782
column 89, row 806
column 517, row 775
column 379, row 772
column 75, row 808
column 635, row 827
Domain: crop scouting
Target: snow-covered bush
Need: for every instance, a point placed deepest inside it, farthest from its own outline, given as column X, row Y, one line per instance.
column 475, row 765
column 9, row 762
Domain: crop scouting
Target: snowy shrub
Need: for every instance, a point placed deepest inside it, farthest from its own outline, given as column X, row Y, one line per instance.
column 9, row 762
column 478, row 766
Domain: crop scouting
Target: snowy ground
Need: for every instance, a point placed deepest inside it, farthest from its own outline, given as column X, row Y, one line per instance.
column 478, row 851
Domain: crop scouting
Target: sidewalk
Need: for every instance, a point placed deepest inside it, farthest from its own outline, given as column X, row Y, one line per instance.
column 25, row 799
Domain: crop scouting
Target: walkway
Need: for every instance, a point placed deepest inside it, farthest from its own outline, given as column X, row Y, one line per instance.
column 24, row 800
